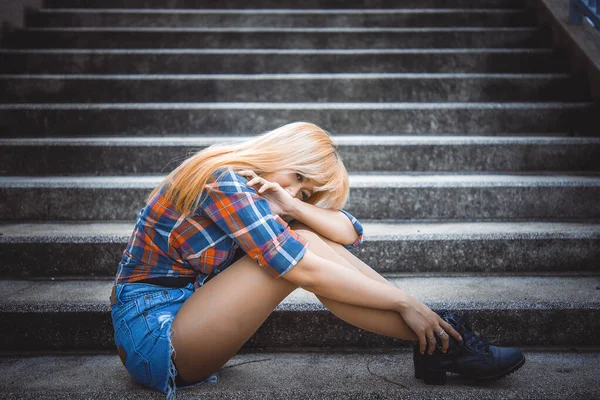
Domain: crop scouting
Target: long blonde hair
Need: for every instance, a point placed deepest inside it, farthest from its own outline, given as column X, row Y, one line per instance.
column 301, row 147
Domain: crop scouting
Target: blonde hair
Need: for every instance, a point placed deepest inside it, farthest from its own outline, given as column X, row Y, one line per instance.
column 300, row 147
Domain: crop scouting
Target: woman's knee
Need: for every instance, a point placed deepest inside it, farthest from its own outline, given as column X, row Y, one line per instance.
column 305, row 231
column 298, row 226
column 315, row 241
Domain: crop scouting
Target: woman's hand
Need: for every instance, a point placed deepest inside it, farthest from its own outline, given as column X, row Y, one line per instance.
column 427, row 325
column 280, row 201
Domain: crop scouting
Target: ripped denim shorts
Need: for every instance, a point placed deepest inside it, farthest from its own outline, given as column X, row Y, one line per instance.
column 142, row 319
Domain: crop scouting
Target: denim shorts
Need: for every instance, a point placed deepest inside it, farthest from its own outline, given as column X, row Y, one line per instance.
column 142, row 319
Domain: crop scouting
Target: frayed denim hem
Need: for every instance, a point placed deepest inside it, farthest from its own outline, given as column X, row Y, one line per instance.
column 171, row 390
column 171, row 387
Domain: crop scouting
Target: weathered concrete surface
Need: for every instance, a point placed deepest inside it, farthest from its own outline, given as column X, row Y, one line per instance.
column 549, row 374
column 515, row 292
column 156, row 119
column 259, row 61
column 509, row 310
column 377, row 196
column 65, row 249
column 291, row 88
column 243, row 4
column 151, row 155
column 275, row 38
column 282, row 18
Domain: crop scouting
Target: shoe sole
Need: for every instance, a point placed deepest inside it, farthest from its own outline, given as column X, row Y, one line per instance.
column 502, row 374
column 492, row 377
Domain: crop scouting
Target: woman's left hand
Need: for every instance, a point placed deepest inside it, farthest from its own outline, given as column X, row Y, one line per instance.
column 280, row 201
column 448, row 329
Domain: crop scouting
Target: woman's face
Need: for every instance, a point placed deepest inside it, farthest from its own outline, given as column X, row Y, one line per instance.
column 296, row 185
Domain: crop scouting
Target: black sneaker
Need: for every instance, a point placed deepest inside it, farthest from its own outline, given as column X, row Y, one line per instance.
column 473, row 358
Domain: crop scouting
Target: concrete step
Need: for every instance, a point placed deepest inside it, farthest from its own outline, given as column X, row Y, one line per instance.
column 152, row 155
column 552, row 373
column 508, row 310
column 171, row 119
column 283, row 4
column 276, row 38
column 246, row 61
column 292, row 88
column 377, row 196
column 81, row 17
column 55, row 249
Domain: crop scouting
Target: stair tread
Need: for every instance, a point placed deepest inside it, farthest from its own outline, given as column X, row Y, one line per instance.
column 474, row 292
column 280, row 51
column 303, row 11
column 119, row 231
column 279, row 30
column 38, row 249
column 342, row 140
column 315, row 76
column 491, row 197
column 278, row 4
column 356, row 180
column 317, row 87
column 556, row 155
column 325, row 106
column 309, row 17
column 549, row 374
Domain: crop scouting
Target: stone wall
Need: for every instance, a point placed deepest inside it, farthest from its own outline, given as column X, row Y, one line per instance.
column 12, row 13
column 581, row 43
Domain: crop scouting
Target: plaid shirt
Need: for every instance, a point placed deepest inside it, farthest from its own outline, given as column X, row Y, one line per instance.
column 231, row 218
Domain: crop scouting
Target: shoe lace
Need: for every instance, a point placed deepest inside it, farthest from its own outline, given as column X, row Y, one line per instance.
column 463, row 325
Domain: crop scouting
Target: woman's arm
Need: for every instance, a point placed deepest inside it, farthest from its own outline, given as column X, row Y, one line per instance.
column 332, row 224
column 329, row 279
column 334, row 281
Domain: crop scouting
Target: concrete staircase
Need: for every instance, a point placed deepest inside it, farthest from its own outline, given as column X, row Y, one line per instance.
column 474, row 169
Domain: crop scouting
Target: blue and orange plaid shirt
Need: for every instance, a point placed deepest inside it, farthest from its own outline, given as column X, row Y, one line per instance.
column 231, row 218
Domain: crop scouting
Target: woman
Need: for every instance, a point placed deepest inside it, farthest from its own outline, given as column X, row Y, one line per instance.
column 212, row 254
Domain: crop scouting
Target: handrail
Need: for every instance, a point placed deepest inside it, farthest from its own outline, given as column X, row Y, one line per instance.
column 580, row 8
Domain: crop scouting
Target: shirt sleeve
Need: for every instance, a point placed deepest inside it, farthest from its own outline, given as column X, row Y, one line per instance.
column 358, row 228
column 247, row 218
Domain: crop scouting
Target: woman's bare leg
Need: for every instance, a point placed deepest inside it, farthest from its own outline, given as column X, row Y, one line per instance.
column 384, row 322
column 216, row 321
